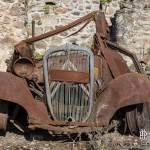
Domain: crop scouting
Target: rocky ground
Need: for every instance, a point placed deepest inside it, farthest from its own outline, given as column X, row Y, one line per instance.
column 38, row 141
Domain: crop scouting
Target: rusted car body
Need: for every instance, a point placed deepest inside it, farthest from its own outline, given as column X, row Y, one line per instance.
column 74, row 89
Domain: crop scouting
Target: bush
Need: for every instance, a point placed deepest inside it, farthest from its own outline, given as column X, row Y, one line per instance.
column 105, row 1
column 38, row 56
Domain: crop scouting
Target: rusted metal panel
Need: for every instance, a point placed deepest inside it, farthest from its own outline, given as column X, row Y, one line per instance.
column 114, row 61
column 69, row 76
column 63, row 28
column 127, row 53
column 65, row 130
column 3, row 121
column 125, row 90
column 23, row 67
column 102, row 27
column 24, row 49
column 15, row 89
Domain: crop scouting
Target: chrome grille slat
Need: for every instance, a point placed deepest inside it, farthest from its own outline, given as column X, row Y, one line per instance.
column 69, row 100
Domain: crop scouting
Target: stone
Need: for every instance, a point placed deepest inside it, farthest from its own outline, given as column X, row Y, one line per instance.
column 8, row 40
column 77, row 13
column 80, row 7
column 48, row 28
column 57, row 27
column 8, row 1
column 60, row 10
column 6, row 20
column 17, row 10
column 133, row 25
column 64, row 33
column 29, row 31
column 56, row 40
column 18, row 24
column 147, row 6
column 95, row 1
column 73, row 40
column 40, row 45
column 84, row 36
column 36, row 16
column 38, row 30
column 88, row 7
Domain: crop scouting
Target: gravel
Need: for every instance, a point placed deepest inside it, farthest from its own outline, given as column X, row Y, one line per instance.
column 37, row 141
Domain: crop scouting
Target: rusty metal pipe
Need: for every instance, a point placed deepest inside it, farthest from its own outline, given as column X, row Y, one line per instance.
column 62, row 29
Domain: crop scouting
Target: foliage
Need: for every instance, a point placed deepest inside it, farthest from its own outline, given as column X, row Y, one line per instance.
column 46, row 9
column 101, row 148
column 47, row 6
column 38, row 56
column 105, row 1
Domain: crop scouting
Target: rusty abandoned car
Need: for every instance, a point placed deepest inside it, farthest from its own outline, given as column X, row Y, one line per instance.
column 74, row 88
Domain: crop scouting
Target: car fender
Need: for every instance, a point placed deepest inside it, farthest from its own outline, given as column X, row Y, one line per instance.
column 127, row 89
column 14, row 89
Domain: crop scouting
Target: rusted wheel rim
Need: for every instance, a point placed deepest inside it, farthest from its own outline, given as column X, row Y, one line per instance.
column 138, row 118
column 131, row 121
column 3, row 121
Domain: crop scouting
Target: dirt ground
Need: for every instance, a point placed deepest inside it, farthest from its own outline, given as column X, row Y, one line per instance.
column 38, row 141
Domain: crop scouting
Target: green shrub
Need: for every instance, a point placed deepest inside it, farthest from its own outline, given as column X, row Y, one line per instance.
column 38, row 56
column 105, row 1
column 47, row 6
column 46, row 9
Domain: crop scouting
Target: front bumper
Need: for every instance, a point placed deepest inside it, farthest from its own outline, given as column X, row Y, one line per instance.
column 62, row 127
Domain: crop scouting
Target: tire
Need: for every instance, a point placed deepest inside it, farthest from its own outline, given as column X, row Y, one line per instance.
column 138, row 118
column 144, row 123
column 3, row 117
